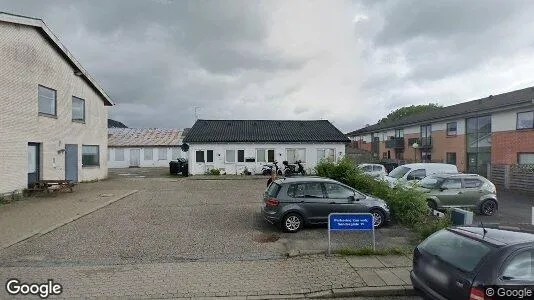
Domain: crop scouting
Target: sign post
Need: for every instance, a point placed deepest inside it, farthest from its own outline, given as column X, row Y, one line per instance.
column 350, row 222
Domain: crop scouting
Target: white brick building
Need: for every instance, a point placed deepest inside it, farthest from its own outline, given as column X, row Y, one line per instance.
column 145, row 147
column 233, row 145
column 53, row 115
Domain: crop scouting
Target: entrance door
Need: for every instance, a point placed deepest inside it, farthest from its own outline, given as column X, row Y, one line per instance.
column 135, row 157
column 33, row 163
column 71, row 162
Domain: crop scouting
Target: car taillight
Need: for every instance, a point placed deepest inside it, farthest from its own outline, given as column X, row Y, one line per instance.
column 478, row 294
column 272, row 202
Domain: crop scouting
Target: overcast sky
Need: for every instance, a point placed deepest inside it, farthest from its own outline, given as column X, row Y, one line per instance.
column 350, row 62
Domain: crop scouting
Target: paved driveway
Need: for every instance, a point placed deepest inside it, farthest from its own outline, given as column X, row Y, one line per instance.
column 177, row 219
column 515, row 208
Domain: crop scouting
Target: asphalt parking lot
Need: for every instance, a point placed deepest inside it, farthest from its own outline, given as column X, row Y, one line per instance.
column 179, row 219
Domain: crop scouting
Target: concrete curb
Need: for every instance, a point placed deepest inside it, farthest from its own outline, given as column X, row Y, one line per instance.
column 385, row 291
column 69, row 220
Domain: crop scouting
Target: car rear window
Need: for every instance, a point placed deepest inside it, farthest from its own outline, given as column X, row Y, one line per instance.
column 273, row 189
column 398, row 172
column 459, row 251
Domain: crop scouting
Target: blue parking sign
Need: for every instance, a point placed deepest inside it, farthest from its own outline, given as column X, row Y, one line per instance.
column 350, row 222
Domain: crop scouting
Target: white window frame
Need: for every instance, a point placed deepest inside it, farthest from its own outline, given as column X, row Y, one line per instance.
column 237, row 155
column 119, row 154
column 323, row 150
column 48, row 100
column 84, row 147
column 234, row 156
column 266, row 154
column 147, row 151
column 295, row 155
column 160, row 152
column 82, row 101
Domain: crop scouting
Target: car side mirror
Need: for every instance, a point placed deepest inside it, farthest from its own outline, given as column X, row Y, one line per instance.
column 352, row 198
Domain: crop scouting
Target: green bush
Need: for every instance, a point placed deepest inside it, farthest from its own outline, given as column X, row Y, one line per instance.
column 214, row 172
column 408, row 206
column 366, row 251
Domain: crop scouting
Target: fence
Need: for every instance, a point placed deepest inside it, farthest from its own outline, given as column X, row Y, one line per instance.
column 514, row 177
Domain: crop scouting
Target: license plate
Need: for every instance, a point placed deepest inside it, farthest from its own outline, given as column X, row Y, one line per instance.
column 436, row 275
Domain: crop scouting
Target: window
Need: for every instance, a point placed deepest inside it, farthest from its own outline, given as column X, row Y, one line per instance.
column 265, row 154
column 260, row 155
column 520, row 267
column 417, row 175
column 367, row 168
column 525, row 120
column 426, row 131
column 175, row 153
column 296, row 154
column 327, row 154
column 162, row 153
column 461, row 252
column 78, row 109
column 378, row 168
column 525, row 158
column 148, row 153
column 452, row 183
column 119, row 154
column 472, row 183
column 47, row 100
column 230, row 156
column 240, row 155
column 451, row 158
column 91, row 156
column 109, row 155
column 336, row 191
column 274, row 189
column 452, row 128
column 199, row 156
column 305, row 190
column 399, row 133
column 209, row 155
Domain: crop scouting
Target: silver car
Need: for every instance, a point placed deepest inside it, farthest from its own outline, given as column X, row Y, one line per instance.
column 375, row 170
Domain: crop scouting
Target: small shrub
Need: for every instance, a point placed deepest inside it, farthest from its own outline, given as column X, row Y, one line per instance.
column 431, row 224
column 214, row 172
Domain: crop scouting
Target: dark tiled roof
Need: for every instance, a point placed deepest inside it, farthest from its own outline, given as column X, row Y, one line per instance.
column 263, row 131
column 523, row 96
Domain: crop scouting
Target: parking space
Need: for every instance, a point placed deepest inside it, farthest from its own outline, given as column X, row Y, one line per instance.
column 515, row 208
column 177, row 219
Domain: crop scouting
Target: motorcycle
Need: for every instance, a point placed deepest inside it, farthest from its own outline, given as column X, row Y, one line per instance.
column 291, row 169
column 268, row 169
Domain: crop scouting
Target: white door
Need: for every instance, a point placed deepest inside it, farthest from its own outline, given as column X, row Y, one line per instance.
column 135, row 157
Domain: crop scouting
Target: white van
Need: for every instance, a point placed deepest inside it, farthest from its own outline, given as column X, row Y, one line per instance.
column 408, row 173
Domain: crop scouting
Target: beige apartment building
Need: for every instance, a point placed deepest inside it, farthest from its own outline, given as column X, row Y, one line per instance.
column 53, row 115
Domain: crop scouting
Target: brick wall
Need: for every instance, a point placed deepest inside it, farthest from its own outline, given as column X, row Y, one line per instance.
column 441, row 144
column 506, row 144
column 27, row 59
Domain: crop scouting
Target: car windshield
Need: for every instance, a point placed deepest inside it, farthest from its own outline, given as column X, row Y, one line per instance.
column 398, row 172
column 459, row 251
column 431, row 182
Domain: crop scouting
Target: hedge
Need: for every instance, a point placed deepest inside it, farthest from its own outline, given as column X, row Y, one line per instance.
column 407, row 206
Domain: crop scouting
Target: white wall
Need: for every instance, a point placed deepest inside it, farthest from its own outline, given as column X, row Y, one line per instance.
column 505, row 121
column 27, row 60
column 154, row 162
column 219, row 152
column 412, row 130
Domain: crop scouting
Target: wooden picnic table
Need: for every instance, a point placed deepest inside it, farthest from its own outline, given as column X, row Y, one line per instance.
column 53, row 185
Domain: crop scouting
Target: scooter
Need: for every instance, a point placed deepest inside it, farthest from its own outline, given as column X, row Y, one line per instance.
column 291, row 169
column 268, row 169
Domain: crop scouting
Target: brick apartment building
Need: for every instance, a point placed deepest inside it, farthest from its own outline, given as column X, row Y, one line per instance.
column 496, row 130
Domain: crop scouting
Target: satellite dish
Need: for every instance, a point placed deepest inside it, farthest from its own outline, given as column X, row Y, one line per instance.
column 184, row 147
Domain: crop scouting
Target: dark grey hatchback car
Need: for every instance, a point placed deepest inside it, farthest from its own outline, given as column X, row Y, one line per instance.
column 294, row 202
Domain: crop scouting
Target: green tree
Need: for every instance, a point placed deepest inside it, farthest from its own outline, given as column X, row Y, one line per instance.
column 408, row 111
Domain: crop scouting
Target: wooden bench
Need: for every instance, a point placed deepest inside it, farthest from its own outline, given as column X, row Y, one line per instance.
column 52, row 186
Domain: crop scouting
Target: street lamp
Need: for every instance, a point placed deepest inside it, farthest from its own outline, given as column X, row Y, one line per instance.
column 415, row 146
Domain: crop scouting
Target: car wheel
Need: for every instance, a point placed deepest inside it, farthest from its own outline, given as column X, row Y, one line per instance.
column 488, row 207
column 379, row 218
column 292, row 222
